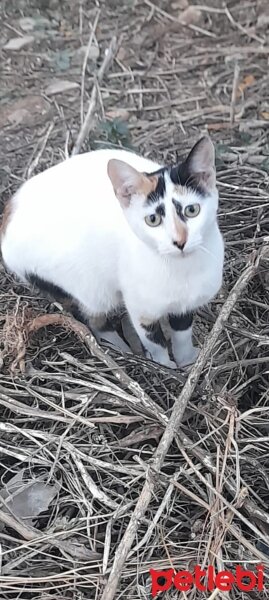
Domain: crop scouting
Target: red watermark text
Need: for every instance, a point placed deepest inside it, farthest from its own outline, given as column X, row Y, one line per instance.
column 207, row 580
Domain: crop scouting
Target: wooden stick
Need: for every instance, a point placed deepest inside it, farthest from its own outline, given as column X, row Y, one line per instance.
column 172, row 428
column 87, row 124
column 234, row 92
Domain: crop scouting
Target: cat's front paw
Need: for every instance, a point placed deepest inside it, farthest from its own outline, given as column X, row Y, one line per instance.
column 184, row 359
column 171, row 364
column 162, row 359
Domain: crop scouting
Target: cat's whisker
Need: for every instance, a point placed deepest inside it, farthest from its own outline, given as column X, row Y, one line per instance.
column 207, row 251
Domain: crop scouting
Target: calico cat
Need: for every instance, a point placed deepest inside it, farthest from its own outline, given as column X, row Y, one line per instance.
column 109, row 228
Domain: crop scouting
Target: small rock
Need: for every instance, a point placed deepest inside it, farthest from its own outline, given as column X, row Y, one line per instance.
column 58, row 86
column 19, row 42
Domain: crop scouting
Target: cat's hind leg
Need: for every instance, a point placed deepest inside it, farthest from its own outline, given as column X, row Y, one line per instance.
column 104, row 329
column 103, row 326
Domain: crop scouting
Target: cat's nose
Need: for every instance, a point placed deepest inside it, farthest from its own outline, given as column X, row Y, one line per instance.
column 179, row 245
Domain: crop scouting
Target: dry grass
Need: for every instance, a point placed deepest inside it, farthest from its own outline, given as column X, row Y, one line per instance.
column 92, row 421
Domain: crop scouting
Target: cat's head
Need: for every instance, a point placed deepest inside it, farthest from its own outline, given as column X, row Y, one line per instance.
column 172, row 209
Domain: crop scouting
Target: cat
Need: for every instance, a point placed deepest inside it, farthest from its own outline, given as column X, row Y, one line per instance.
column 110, row 228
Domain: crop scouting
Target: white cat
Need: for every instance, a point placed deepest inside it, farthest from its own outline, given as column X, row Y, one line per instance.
column 110, row 228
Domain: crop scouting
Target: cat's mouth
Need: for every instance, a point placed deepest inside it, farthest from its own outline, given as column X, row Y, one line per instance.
column 174, row 253
column 186, row 253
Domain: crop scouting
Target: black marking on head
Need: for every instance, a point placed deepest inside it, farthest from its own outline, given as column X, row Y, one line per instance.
column 181, row 322
column 160, row 210
column 181, row 174
column 155, row 334
column 179, row 210
column 159, row 191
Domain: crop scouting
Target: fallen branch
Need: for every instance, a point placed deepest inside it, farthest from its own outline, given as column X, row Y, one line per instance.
column 172, row 428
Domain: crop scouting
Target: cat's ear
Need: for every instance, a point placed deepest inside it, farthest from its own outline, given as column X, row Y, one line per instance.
column 128, row 182
column 201, row 162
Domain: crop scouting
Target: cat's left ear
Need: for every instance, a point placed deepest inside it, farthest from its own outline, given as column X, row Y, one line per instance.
column 200, row 162
column 128, row 182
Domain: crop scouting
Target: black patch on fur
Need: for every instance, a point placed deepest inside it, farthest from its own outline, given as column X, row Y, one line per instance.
column 181, row 322
column 155, row 334
column 55, row 291
column 181, row 174
column 160, row 210
column 112, row 321
column 159, row 191
column 179, row 211
column 78, row 314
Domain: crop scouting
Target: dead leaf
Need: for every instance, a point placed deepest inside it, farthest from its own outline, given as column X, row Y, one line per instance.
column 92, row 53
column 180, row 4
column 23, row 111
column 118, row 113
column 27, row 24
column 263, row 21
column 247, row 82
column 79, row 551
column 265, row 115
column 122, row 53
column 190, row 16
column 78, row 56
column 26, row 499
column 19, row 42
column 58, row 86
column 18, row 116
column 41, row 23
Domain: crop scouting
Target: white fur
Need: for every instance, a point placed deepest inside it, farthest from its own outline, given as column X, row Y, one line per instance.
column 68, row 227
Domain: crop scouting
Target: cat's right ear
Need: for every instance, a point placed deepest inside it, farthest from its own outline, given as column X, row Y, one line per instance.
column 128, row 182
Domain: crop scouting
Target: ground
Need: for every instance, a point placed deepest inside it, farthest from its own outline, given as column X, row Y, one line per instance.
column 80, row 426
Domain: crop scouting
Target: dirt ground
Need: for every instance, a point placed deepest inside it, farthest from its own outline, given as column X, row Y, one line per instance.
column 91, row 495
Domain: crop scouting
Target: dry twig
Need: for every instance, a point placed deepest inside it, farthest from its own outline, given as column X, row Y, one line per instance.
column 172, row 427
column 88, row 124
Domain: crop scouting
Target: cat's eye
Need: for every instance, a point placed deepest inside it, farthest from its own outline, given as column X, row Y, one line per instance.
column 192, row 210
column 153, row 220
